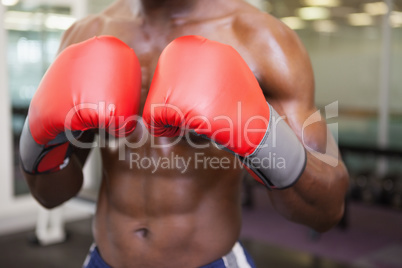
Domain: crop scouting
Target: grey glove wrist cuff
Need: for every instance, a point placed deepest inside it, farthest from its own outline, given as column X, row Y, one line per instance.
column 280, row 158
column 31, row 153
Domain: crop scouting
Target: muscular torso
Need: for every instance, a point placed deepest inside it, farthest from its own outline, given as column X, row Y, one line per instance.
column 178, row 215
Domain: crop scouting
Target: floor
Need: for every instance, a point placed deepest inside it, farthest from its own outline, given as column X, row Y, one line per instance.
column 373, row 239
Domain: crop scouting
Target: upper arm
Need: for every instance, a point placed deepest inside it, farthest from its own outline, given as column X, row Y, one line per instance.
column 287, row 80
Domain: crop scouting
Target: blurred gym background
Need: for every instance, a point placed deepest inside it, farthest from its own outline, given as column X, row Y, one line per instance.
column 356, row 50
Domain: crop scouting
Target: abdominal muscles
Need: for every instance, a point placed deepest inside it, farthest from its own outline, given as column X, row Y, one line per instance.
column 185, row 215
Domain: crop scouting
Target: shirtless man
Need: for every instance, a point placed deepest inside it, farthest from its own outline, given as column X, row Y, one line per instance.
column 192, row 218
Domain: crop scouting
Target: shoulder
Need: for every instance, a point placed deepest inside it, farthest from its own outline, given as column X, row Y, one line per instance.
column 283, row 66
column 263, row 28
column 82, row 30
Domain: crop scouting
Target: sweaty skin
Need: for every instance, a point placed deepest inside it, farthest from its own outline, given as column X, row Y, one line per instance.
column 178, row 217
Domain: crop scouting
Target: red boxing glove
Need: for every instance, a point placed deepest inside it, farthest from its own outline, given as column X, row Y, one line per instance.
column 93, row 84
column 206, row 87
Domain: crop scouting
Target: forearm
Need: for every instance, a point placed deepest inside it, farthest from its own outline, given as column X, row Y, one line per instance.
column 317, row 199
column 53, row 189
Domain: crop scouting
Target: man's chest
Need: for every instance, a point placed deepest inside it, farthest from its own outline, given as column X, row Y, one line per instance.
column 148, row 44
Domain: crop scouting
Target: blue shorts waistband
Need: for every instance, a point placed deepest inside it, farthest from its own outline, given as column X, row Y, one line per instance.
column 238, row 257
